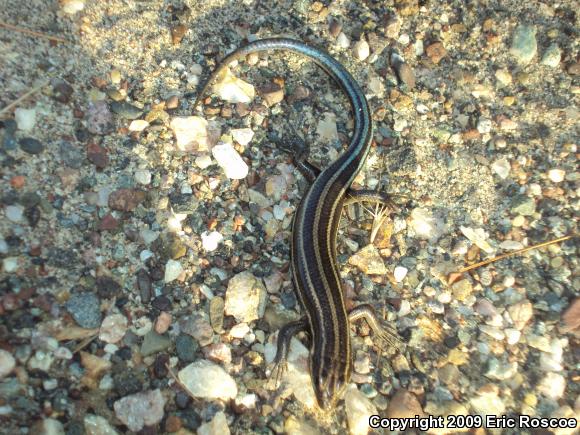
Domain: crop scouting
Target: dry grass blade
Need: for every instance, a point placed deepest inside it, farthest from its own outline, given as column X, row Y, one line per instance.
column 519, row 251
column 31, row 32
column 85, row 343
column 23, row 97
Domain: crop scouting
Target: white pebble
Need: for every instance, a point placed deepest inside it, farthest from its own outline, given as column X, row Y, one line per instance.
column 71, row 7
column 208, row 380
column 240, row 330
column 484, row 125
column 138, row 125
column 203, row 161
column 14, row 213
column 511, row 245
column 7, row 363
column 404, row 39
column 172, row 270
column 113, row 328
column 25, row 118
column 400, row 124
column 191, row 133
column 10, row 264
column 400, row 273
column 243, row 136
column 512, row 335
column 143, row 176
column 552, row 385
column 556, row 175
column 361, row 50
column 342, row 40
column 230, row 161
column 232, row 89
column 501, row 167
column 211, row 240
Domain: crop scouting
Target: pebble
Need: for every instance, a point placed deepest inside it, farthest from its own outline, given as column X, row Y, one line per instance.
column 230, row 161
column 404, row 71
column 218, row 352
column 462, row 289
column 25, row 118
column 232, row 89
column 326, row 128
column 400, row 273
column 361, row 50
column 404, row 404
column 478, row 237
column 556, row 175
column 163, row 322
column 62, row 91
column 217, row 426
column 216, row 313
column 113, row 328
column 125, row 199
column 436, row 52
column 143, row 176
column 154, row 343
column 511, row 245
column 524, row 45
column 552, row 56
column 198, row 327
column 393, row 27
column 203, row 161
column 7, row 363
column 552, row 385
column 342, row 40
column 521, row 313
column 126, row 110
column 186, row 348
column 208, row 380
column 487, row 402
column 173, row 270
column 246, row 297
column 243, row 136
column 71, row 7
column 272, row 93
column 71, row 155
column 571, row 317
column 358, row 410
column 10, row 264
column 138, row 125
column 97, row 425
column 512, row 335
column 14, row 213
column 192, row 133
column 99, row 118
column 211, row 240
column 85, row 308
column 501, row 167
column 141, row 409
column 369, row 261
column 504, row 77
column 31, row 145
column 97, row 155
column 425, row 225
column 523, row 205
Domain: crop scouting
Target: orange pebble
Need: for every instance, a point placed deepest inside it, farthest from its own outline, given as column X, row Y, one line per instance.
column 18, row 181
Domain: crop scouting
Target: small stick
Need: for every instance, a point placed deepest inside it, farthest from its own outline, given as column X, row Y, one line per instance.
column 519, row 251
column 84, row 343
column 23, row 97
column 32, row 32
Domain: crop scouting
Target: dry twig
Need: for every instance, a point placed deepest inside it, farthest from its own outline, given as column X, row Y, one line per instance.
column 31, row 32
column 23, row 97
column 519, row 251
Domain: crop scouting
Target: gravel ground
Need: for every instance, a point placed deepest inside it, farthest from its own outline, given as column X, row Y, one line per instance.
column 145, row 244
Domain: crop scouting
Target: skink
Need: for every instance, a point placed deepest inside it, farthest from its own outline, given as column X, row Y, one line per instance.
column 314, row 231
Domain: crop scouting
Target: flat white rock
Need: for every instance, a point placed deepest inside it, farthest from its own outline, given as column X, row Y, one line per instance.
column 208, row 380
column 232, row 89
column 230, row 161
column 25, row 118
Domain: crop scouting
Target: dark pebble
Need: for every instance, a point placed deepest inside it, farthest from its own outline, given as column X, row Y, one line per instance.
column 97, row 155
column 32, row 216
column 62, row 91
column 160, row 366
column 85, row 308
column 9, row 141
column 182, row 400
column 451, row 342
column 144, row 285
column 62, row 258
column 107, row 288
column 126, row 110
column 82, row 134
column 186, row 348
column 124, row 353
column 31, row 145
column 190, row 419
column 127, row 382
column 162, row 303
